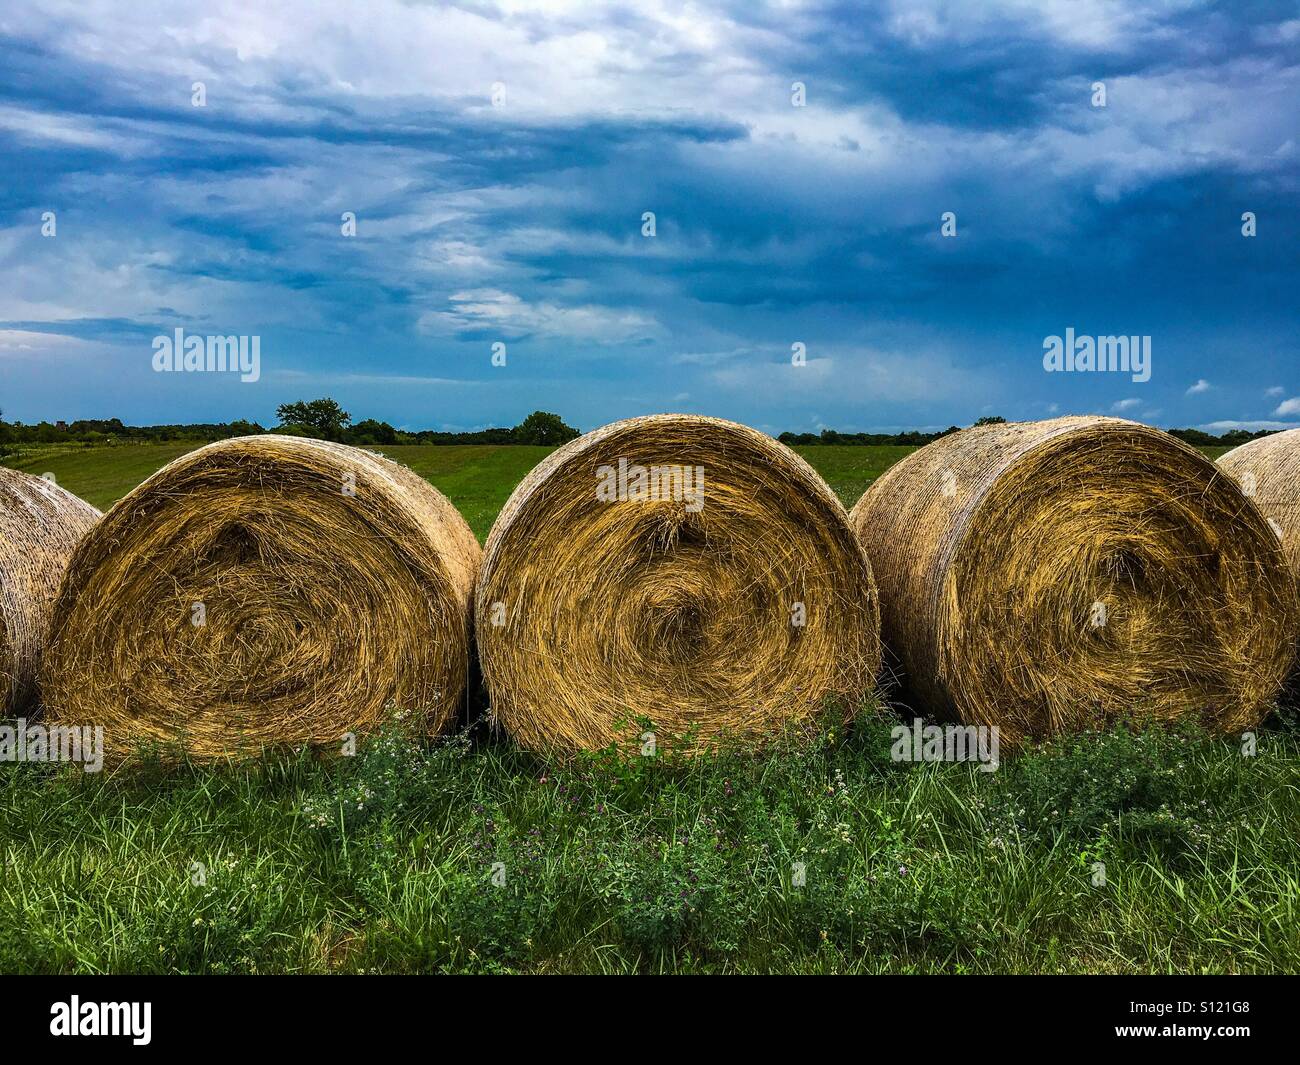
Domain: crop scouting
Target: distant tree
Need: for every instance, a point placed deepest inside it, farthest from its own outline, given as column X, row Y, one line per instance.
column 323, row 415
column 543, row 428
column 370, row 431
column 994, row 420
column 240, row 427
column 298, row 429
column 1195, row 437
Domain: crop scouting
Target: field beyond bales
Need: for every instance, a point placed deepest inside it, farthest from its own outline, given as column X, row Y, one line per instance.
column 477, row 478
column 386, row 862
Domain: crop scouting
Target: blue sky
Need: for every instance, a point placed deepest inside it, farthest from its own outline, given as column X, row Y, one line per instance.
column 519, row 221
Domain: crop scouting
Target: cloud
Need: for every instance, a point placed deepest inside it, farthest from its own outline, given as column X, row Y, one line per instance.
column 483, row 312
column 1248, row 426
column 1201, row 385
column 38, row 346
column 1125, row 405
column 1288, row 406
column 854, row 378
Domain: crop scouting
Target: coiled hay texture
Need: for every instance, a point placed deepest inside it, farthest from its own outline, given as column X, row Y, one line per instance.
column 40, row 524
column 265, row 591
column 1268, row 471
column 741, row 611
column 1052, row 576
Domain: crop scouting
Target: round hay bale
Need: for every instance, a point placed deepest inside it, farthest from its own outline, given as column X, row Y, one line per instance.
column 1047, row 577
column 40, row 524
column 1268, row 471
column 265, row 591
column 682, row 569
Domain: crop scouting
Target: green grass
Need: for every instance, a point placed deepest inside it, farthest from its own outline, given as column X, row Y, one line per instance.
column 477, row 478
column 383, row 862
column 99, row 475
column 848, row 470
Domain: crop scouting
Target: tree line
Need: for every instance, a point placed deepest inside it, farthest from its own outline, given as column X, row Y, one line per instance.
column 913, row 438
column 324, row 419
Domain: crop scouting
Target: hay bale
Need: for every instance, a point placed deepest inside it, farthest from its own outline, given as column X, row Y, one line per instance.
column 1051, row 576
column 1268, row 471
column 40, row 524
column 596, row 607
column 265, row 591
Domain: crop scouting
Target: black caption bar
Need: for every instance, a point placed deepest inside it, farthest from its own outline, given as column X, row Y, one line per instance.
column 145, row 1014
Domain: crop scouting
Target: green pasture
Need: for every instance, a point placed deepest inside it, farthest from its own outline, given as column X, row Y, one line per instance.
column 478, row 478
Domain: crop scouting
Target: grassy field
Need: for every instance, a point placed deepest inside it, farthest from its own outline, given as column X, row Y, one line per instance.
column 385, row 862
column 470, row 855
column 477, row 478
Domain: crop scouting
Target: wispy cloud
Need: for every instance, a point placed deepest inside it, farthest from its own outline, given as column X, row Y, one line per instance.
column 484, row 312
column 1248, row 426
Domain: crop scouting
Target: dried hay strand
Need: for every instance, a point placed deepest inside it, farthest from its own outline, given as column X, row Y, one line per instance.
column 1268, row 471
column 40, row 524
column 594, row 613
column 1047, row 577
column 262, row 592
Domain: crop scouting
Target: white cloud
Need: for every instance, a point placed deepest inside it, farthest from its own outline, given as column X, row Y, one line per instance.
column 871, row 375
column 512, row 316
column 1288, row 406
column 1105, row 25
column 1249, row 426
column 1202, row 385
column 28, row 344
column 1125, row 405
column 62, row 129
